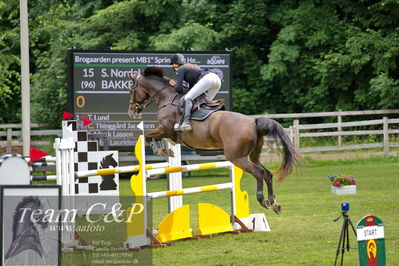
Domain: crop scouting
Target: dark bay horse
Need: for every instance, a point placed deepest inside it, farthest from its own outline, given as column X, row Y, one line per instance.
column 240, row 136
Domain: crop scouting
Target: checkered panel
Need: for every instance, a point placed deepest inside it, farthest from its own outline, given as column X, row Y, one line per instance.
column 88, row 157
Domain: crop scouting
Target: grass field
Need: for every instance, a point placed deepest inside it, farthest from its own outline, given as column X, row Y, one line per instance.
column 303, row 234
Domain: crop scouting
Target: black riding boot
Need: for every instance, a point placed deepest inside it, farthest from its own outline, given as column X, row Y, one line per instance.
column 186, row 125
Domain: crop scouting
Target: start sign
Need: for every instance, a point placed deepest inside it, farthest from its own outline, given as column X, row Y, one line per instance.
column 371, row 243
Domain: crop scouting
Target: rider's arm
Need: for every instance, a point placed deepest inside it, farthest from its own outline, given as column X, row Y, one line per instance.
column 179, row 79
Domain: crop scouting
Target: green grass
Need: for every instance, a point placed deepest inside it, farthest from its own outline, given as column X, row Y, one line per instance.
column 304, row 233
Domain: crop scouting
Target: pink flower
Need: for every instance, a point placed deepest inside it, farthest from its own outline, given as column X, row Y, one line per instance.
column 337, row 184
column 353, row 182
column 350, row 178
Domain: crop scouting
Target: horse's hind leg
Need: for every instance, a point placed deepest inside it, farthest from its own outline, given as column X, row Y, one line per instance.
column 267, row 176
column 258, row 171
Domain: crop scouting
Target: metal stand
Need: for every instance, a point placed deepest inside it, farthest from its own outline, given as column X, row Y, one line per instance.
column 344, row 238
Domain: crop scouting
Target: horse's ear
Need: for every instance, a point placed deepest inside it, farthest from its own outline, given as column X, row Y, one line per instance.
column 130, row 76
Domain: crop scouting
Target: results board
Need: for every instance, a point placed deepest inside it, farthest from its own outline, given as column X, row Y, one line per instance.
column 99, row 88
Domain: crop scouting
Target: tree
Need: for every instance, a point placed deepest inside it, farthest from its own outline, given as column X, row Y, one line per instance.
column 10, row 89
column 330, row 56
column 288, row 56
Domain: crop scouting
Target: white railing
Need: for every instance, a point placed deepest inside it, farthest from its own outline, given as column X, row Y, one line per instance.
column 297, row 131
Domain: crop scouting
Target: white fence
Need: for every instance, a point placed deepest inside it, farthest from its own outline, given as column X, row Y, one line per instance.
column 297, row 131
column 10, row 132
column 389, row 126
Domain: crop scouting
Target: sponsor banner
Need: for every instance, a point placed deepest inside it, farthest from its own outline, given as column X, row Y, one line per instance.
column 37, row 226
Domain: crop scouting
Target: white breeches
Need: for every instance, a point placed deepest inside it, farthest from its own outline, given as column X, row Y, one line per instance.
column 210, row 82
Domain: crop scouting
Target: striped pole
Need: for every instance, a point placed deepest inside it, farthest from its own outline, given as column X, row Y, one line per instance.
column 43, row 164
column 192, row 190
column 44, row 177
column 122, row 169
column 187, row 168
column 46, row 159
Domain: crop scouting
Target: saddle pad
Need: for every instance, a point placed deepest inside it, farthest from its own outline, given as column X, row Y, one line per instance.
column 201, row 114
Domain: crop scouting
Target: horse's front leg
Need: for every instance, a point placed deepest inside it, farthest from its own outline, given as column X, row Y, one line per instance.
column 154, row 138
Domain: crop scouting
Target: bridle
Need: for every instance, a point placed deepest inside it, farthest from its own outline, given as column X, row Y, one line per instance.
column 136, row 105
column 142, row 106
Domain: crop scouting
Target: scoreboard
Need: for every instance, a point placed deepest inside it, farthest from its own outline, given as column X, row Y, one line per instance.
column 98, row 88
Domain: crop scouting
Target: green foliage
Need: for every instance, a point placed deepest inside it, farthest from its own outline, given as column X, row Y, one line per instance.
column 328, row 56
column 288, row 56
column 185, row 38
column 10, row 89
column 248, row 34
column 383, row 87
column 52, row 35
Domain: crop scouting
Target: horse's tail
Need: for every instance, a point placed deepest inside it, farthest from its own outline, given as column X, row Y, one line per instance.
column 271, row 128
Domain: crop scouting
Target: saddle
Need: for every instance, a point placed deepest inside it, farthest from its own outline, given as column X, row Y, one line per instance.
column 203, row 107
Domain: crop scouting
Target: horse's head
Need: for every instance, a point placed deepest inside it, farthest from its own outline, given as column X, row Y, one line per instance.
column 139, row 97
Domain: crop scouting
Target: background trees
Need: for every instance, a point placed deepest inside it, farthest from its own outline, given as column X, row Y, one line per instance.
column 288, row 56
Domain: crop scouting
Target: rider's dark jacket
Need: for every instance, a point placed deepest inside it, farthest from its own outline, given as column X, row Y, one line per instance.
column 189, row 74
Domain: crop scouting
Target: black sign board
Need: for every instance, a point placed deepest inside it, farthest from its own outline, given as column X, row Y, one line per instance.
column 99, row 88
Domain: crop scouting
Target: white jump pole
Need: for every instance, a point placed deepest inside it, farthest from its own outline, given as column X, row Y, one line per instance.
column 66, row 178
column 188, row 168
column 175, row 179
column 192, row 190
column 120, row 170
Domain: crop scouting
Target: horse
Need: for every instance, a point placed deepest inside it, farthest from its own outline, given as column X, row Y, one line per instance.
column 240, row 136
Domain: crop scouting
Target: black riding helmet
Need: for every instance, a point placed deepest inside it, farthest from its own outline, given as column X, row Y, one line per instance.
column 177, row 59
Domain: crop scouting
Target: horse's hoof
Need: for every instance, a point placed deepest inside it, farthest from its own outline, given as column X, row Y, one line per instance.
column 265, row 203
column 276, row 208
column 170, row 153
column 166, row 152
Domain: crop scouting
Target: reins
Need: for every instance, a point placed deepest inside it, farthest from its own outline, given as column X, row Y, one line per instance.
column 171, row 103
column 146, row 103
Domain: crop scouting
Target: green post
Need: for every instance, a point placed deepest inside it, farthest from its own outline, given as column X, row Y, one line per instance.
column 371, row 243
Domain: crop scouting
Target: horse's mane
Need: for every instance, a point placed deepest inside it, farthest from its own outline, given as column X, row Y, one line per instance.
column 153, row 71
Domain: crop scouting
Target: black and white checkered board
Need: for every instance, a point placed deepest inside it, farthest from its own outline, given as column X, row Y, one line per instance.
column 88, row 157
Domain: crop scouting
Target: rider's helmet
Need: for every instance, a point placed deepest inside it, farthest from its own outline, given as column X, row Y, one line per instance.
column 177, row 59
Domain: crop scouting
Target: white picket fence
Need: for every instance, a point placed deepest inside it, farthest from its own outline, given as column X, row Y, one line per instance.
column 297, row 131
column 389, row 127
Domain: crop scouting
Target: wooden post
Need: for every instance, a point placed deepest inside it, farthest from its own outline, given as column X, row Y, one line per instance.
column 9, row 140
column 291, row 134
column 386, row 136
column 25, row 81
column 339, row 128
column 296, row 134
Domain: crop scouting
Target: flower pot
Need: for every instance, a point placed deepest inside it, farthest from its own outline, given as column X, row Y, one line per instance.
column 351, row 189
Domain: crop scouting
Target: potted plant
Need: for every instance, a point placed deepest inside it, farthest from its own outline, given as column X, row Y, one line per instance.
column 342, row 184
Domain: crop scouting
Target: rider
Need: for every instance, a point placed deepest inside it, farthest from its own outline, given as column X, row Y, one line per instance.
column 199, row 81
